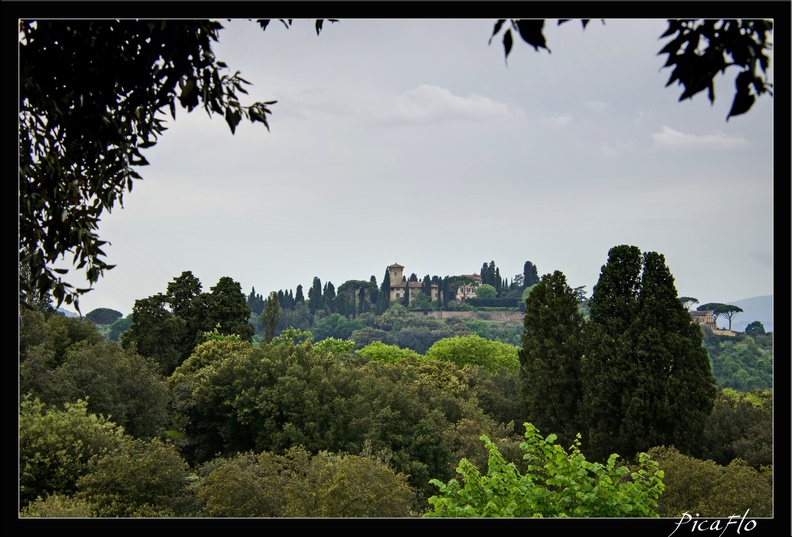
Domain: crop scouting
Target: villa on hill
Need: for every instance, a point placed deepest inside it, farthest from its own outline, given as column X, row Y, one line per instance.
column 706, row 318
column 399, row 286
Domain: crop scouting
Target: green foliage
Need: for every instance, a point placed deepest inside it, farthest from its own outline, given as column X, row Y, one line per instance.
column 120, row 385
column 555, row 484
column 141, row 478
column 755, row 329
column 740, row 362
column 54, row 335
column 418, row 338
column 382, row 352
column 419, row 414
column 475, row 350
column 116, row 329
column 712, row 490
column 530, row 275
column 497, row 394
column 486, row 290
column 337, row 347
column 292, row 336
column 740, row 427
column 393, row 318
column 271, row 316
column 527, row 292
column 552, row 347
column 647, row 380
column 226, row 306
column 166, row 328
column 368, row 335
column 58, row 506
column 57, row 447
column 156, row 333
column 335, row 326
column 103, row 316
column 214, row 335
column 297, row 484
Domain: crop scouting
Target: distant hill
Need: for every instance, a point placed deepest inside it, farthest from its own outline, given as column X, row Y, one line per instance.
column 67, row 313
column 758, row 308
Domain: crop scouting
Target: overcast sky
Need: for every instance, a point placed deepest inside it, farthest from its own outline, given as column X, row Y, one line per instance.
column 414, row 141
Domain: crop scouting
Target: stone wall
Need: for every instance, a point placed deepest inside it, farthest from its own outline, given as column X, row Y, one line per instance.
column 510, row 316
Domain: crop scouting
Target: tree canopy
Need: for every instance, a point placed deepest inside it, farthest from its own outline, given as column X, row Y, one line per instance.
column 647, row 380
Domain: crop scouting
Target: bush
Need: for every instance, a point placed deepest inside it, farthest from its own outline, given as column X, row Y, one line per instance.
column 556, row 484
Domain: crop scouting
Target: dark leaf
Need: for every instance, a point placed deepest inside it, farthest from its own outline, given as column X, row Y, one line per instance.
column 673, row 27
column 231, row 119
column 496, row 29
column 743, row 99
column 531, row 32
column 507, row 43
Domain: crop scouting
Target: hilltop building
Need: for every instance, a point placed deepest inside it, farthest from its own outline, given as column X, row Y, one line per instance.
column 468, row 290
column 706, row 318
column 703, row 318
column 399, row 286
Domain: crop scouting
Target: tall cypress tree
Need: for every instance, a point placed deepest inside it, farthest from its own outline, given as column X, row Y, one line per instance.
column 383, row 301
column 426, row 287
column 315, row 295
column 328, row 297
column 675, row 388
column 552, row 347
column 270, row 317
column 647, row 380
column 530, row 274
column 298, row 295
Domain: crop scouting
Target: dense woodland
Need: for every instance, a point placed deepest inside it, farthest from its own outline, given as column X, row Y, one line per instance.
column 341, row 404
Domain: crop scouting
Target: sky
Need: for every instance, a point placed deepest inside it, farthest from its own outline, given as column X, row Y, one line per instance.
column 415, row 142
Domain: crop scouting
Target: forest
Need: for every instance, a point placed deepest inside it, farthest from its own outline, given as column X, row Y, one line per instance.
column 343, row 404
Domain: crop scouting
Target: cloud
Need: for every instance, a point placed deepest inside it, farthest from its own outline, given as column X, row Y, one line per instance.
column 605, row 150
column 596, row 106
column 615, row 149
column 556, row 121
column 428, row 103
column 669, row 139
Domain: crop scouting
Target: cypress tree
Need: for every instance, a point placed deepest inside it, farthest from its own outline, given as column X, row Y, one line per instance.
column 426, row 287
column 530, row 275
column 315, row 295
column 552, row 347
column 298, row 295
column 328, row 297
column 383, row 301
column 373, row 292
column 270, row 317
column 647, row 380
